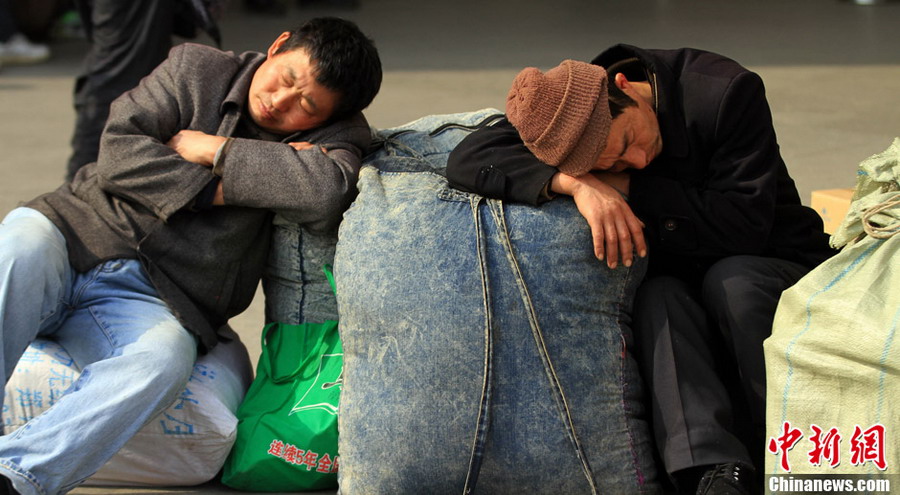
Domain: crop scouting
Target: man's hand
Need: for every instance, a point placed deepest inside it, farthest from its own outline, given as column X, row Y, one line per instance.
column 615, row 229
column 196, row 146
column 219, row 197
column 305, row 145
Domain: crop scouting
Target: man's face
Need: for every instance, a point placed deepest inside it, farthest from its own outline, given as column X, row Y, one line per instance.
column 284, row 96
column 634, row 138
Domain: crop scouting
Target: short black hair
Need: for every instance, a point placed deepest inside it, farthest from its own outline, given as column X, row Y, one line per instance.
column 634, row 70
column 346, row 61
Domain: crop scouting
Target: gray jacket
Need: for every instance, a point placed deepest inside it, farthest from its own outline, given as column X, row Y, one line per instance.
column 139, row 200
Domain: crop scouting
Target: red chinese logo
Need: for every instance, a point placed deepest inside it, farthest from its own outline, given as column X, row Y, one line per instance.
column 865, row 446
column 784, row 443
column 826, row 447
column 299, row 457
column 868, row 446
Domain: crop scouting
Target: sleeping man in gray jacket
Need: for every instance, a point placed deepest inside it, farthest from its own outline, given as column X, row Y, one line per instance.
column 135, row 264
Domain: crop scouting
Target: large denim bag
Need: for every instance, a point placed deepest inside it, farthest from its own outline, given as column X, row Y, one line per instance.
column 485, row 347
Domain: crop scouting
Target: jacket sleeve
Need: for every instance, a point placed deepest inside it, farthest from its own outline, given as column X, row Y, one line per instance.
column 728, row 207
column 494, row 162
column 134, row 161
column 306, row 186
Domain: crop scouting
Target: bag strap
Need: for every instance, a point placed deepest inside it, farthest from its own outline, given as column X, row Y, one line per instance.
column 328, row 273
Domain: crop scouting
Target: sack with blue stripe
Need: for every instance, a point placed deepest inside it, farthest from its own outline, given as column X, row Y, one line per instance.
column 833, row 359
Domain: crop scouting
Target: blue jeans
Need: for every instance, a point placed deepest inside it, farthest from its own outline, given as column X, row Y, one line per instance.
column 134, row 355
column 485, row 347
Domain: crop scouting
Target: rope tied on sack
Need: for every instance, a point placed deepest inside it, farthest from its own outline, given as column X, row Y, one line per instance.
column 875, row 206
column 878, row 231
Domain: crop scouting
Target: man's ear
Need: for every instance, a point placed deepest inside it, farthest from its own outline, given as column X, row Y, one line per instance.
column 621, row 81
column 277, row 43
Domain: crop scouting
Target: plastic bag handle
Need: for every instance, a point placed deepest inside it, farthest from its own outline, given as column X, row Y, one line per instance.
column 328, row 273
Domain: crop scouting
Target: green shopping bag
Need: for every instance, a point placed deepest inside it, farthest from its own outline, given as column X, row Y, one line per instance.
column 287, row 432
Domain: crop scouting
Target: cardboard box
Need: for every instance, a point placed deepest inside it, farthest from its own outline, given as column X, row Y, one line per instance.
column 832, row 206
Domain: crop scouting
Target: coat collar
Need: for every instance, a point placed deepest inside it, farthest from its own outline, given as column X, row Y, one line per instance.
column 232, row 107
column 669, row 110
column 237, row 95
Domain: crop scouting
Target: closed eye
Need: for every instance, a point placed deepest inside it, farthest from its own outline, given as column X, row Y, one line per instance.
column 308, row 105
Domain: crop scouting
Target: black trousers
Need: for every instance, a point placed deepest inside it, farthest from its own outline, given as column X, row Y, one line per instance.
column 700, row 348
column 128, row 40
column 7, row 23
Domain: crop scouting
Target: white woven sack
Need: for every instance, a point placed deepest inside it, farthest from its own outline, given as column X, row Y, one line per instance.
column 833, row 361
column 185, row 445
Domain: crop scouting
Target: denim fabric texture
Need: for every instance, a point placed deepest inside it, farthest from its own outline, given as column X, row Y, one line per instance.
column 294, row 283
column 486, row 349
column 135, row 357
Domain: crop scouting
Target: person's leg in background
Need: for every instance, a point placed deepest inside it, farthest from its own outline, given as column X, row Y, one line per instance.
column 128, row 40
column 15, row 48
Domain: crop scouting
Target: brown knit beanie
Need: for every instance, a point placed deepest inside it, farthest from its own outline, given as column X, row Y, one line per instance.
column 562, row 115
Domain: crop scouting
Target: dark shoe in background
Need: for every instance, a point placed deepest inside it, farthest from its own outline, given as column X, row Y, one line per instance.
column 734, row 478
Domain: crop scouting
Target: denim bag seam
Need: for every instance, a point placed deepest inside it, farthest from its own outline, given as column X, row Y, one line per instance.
column 447, row 193
column 297, row 264
column 497, row 209
column 392, row 146
column 636, row 468
column 482, row 424
column 303, row 276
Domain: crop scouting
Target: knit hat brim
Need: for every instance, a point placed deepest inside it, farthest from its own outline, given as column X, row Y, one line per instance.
column 591, row 143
